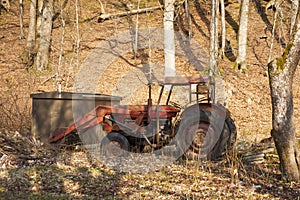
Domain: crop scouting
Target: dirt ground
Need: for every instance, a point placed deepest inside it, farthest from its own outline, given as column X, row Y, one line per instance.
column 248, row 94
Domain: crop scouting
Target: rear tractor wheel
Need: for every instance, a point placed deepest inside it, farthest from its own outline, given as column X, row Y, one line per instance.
column 208, row 136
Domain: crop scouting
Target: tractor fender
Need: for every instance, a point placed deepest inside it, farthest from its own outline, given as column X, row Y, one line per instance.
column 217, row 108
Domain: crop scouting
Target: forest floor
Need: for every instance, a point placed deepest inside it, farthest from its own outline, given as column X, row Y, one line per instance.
column 30, row 170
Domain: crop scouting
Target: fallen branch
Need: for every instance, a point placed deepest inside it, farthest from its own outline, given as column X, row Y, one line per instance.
column 49, row 78
column 108, row 16
column 19, row 150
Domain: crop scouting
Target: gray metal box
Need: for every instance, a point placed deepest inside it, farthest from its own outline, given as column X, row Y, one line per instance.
column 51, row 110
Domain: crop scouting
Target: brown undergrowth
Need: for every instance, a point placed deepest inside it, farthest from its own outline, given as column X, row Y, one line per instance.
column 31, row 170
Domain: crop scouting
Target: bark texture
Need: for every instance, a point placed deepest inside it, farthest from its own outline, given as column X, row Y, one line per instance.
column 214, row 52
column 223, row 25
column 242, row 36
column 21, row 7
column 169, row 38
column 45, row 31
column 39, row 34
column 281, row 73
column 31, row 37
column 294, row 10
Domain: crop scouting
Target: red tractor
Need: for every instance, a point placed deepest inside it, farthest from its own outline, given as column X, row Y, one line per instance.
column 203, row 129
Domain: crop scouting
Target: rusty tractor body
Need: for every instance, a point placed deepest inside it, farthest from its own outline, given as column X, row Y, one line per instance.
column 147, row 127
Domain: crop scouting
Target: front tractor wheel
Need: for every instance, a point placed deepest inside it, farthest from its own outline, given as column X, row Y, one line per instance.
column 115, row 145
column 207, row 137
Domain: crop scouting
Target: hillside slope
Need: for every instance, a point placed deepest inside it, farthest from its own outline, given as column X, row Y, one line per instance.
column 248, row 96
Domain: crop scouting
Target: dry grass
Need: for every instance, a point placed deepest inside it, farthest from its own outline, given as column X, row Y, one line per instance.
column 73, row 174
column 36, row 172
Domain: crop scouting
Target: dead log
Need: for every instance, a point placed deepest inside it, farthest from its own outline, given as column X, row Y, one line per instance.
column 107, row 16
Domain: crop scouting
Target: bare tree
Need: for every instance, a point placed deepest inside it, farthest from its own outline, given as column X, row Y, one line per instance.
column 40, row 5
column 223, row 25
column 294, row 10
column 31, row 37
column 21, row 7
column 281, row 73
column 78, row 35
column 169, row 38
column 242, row 36
column 45, row 32
column 213, row 43
column 40, row 24
column 188, row 18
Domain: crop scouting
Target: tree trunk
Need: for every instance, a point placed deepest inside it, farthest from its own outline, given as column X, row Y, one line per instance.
column 281, row 73
column 188, row 18
column 214, row 36
column 242, row 36
column 223, row 25
column 39, row 10
column 30, row 52
column 169, row 38
column 21, row 7
column 294, row 10
column 214, row 55
column 45, row 31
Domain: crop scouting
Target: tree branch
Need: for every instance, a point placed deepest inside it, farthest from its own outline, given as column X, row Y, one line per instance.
column 108, row 16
